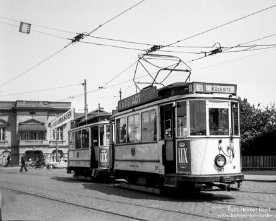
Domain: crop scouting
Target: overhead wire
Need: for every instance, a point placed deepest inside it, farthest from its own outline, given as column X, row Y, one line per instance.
column 114, row 46
column 41, row 90
column 44, row 60
column 34, row 66
column 42, row 26
column 105, row 38
column 222, row 25
column 116, row 16
column 118, row 75
column 120, row 40
column 206, row 31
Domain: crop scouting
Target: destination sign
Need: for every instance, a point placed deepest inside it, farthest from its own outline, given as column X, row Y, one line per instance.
column 229, row 89
column 198, row 87
column 145, row 96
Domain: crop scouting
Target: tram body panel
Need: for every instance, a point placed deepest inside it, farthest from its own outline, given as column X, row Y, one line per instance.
column 204, row 152
column 138, row 157
column 79, row 158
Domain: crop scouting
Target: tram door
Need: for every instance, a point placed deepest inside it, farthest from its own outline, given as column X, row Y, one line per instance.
column 167, row 113
column 94, row 143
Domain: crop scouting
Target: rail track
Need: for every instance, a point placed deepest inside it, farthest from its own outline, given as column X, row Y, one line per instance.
column 201, row 198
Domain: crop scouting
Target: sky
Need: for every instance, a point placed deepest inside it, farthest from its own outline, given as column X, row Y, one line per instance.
column 39, row 66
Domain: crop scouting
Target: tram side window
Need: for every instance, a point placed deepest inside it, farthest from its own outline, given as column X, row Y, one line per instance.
column 149, row 126
column 198, row 117
column 218, row 121
column 96, row 136
column 72, row 140
column 235, row 118
column 121, row 130
column 85, row 139
column 78, row 139
column 134, row 129
column 182, row 130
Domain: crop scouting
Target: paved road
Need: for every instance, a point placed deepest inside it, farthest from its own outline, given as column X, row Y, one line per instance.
column 55, row 195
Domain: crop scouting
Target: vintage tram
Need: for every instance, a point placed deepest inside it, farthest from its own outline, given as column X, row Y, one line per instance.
column 181, row 135
column 89, row 154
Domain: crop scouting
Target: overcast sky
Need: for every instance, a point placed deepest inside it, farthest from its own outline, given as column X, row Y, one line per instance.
column 36, row 66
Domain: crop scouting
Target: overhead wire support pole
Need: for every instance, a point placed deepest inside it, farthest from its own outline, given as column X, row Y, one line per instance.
column 85, row 100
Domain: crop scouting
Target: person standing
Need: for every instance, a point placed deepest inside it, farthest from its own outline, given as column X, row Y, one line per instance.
column 23, row 163
column 8, row 161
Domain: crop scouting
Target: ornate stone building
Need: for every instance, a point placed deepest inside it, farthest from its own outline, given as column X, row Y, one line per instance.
column 25, row 128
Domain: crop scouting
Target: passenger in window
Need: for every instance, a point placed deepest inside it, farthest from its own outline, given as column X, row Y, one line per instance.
column 123, row 134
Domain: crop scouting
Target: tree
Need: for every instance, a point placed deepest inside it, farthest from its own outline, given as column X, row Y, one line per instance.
column 258, row 129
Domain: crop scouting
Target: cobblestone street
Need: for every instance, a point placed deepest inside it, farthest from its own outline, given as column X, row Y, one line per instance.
column 54, row 195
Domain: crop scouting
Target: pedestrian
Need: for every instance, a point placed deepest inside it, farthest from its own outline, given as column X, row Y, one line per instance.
column 8, row 161
column 23, row 163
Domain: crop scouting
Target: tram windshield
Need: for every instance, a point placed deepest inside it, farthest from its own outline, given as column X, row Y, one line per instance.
column 198, row 117
column 101, row 135
column 207, row 117
column 218, row 121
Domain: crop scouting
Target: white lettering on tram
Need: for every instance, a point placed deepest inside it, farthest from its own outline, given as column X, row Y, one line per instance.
column 182, row 155
column 103, row 157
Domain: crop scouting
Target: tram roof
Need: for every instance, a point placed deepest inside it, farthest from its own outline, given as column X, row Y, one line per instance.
column 92, row 117
column 150, row 94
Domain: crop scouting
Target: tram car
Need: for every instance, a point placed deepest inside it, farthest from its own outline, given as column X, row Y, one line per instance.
column 89, row 154
column 184, row 135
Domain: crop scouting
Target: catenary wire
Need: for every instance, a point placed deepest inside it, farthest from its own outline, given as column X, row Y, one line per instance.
column 108, row 39
column 116, row 16
column 34, row 66
column 114, row 46
column 42, row 90
column 42, row 26
column 219, row 26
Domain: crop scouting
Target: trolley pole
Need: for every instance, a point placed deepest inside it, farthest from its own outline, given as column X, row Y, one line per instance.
column 85, row 100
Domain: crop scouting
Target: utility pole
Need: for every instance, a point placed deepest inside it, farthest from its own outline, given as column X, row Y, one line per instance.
column 120, row 92
column 56, row 134
column 85, row 100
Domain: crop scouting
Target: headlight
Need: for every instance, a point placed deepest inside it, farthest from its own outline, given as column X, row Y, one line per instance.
column 220, row 160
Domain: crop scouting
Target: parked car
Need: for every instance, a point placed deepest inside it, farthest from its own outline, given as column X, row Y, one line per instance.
column 63, row 163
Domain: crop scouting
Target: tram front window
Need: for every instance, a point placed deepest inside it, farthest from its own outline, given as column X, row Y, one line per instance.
column 108, row 135
column 198, row 117
column 218, row 121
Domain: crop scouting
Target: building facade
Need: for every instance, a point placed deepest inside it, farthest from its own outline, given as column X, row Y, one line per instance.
column 25, row 129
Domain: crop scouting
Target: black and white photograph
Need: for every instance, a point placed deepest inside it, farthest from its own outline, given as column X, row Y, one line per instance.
column 149, row 110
